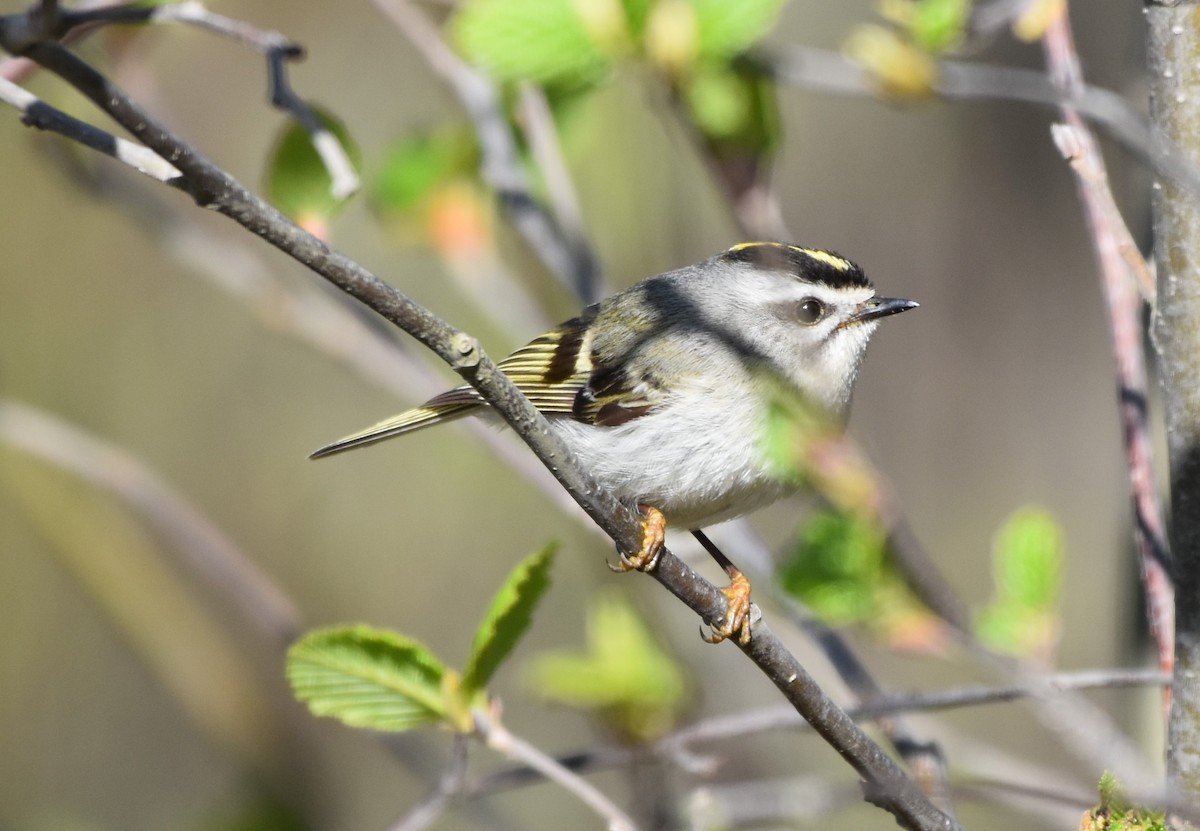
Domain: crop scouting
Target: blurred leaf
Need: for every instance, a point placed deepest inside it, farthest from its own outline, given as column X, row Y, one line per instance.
column 1028, row 555
column 736, row 111
column 259, row 812
column 803, row 444
column 719, row 100
column 123, row 571
column 544, row 41
column 297, row 181
column 899, row 69
column 637, row 12
column 369, row 678
column 671, row 40
column 1115, row 813
column 428, row 192
column 728, row 28
column 934, row 25
column 836, row 567
column 1015, row 629
column 1027, row 561
column 635, row 687
column 839, row 567
column 1033, row 21
column 416, row 165
column 510, row 614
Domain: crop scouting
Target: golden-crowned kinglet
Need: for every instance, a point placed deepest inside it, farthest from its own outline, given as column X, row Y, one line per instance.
column 660, row 391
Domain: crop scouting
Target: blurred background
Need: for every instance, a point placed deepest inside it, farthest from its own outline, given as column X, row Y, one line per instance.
column 136, row 694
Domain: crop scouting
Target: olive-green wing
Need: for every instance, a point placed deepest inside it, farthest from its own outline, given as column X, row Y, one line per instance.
column 557, row 372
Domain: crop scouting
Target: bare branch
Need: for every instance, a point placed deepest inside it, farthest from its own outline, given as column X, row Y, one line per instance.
column 740, row 725
column 826, row 71
column 40, row 115
column 1115, row 251
column 499, row 739
column 449, row 786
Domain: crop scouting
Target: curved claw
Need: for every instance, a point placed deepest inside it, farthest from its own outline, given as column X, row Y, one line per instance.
column 737, row 612
column 654, row 532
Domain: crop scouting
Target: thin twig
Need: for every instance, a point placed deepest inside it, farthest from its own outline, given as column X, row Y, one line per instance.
column 740, row 725
column 537, row 124
column 887, row 786
column 1113, row 244
column 501, row 740
column 449, row 786
column 826, row 71
column 41, row 116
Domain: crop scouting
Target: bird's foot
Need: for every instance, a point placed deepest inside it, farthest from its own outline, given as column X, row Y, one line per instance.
column 654, row 532
column 737, row 612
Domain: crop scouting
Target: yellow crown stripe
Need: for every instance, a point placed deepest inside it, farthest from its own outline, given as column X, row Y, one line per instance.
column 831, row 260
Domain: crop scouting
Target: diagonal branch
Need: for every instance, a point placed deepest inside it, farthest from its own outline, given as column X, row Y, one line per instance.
column 886, row 784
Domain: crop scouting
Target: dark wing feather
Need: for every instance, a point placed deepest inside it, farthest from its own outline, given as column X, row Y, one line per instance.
column 558, row 372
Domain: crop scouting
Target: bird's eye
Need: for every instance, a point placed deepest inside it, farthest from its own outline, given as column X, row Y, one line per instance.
column 810, row 310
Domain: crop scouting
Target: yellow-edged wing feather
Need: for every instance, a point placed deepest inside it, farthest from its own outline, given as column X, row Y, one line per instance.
column 551, row 371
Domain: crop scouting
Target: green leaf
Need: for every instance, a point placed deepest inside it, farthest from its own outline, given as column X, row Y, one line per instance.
column 625, row 677
column 545, row 41
column 415, row 166
column 727, row 28
column 737, row 111
column 939, row 25
column 1027, row 559
column 297, row 181
column 636, row 14
column 837, row 567
column 1116, row 813
column 508, row 618
column 1028, row 555
column 368, row 678
column 897, row 68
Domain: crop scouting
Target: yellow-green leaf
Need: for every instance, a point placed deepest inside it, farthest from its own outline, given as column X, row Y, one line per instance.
column 368, row 678
column 298, row 183
column 510, row 614
column 545, row 41
column 625, row 677
column 727, row 28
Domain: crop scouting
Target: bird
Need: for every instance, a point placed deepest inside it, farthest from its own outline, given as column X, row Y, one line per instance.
column 661, row 391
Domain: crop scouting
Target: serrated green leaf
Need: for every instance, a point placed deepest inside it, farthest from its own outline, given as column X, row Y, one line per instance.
column 545, row 41
column 298, row 182
column 625, row 677
column 1028, row 557
column 368, row 678
column 727, row 28
column 417, row 164
column 510, row 614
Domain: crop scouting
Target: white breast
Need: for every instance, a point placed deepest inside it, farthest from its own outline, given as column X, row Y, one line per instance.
column 696, row 462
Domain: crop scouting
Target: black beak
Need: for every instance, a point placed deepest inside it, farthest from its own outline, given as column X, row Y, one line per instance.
column 878, row 307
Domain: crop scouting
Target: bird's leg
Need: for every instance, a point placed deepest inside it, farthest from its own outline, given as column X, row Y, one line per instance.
column 737, row 595
column 654, row 531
